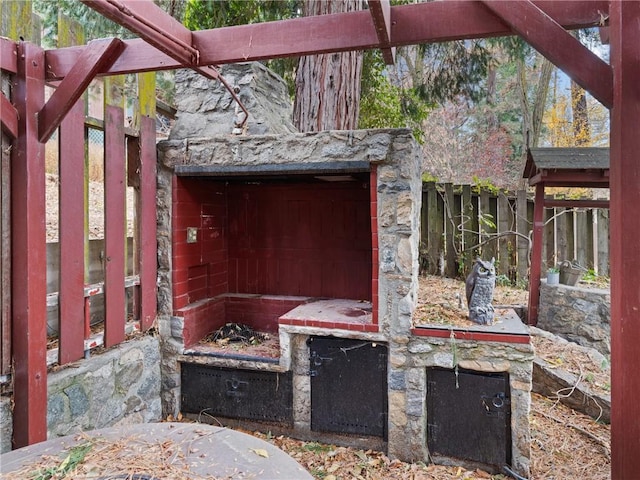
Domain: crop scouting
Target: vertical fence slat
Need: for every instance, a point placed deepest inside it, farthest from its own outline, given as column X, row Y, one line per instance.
column 148, row 237
column 71, row 226
column 147, row 204
column 583, row 238
column 435, row 244
column 29, row 286
column 505, row 243
column 603, row 242
column 114, row 214
column 71, row 273
column 489, row 213
column 522, row 227
column 5, row 257
column 549, row 248
column 450, row 231
column 562, row 234
column 469, row 222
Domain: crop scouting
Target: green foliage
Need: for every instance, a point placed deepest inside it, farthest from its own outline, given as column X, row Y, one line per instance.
column 385, row 105
column 503, row 280
column 453, row 69
column 205, row 14
column 486, row 220
column 95, row 25
column 427, row 177
column 72, row 460
column 317, row 447
column 480, row 184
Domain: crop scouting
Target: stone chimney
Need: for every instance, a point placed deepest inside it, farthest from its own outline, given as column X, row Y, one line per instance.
column 206, row 108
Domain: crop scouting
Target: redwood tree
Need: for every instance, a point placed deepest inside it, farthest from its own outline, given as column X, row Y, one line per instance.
column 328, row 86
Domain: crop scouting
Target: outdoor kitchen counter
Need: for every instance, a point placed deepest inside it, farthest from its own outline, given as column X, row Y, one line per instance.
column 330, row 313
column 203, row 451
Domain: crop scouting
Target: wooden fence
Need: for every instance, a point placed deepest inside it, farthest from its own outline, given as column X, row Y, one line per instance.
column 461, row 222
column 127, row 130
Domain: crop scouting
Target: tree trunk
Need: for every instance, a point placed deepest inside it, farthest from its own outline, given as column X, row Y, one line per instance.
column 581, row 130
column 328, row 86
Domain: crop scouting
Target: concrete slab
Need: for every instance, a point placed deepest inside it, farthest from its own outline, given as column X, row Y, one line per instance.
column 209, row 451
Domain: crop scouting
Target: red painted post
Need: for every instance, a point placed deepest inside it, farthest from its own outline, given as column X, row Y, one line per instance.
column 536, row 255
column 29, row 287
column 114, row 215
column 148, row 240
column 71, row 145
column 624, row 170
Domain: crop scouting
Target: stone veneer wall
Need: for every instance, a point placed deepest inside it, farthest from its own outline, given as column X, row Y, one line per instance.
column 580, row 315
column 117, row 387
column 410, row 359
column 6, row 424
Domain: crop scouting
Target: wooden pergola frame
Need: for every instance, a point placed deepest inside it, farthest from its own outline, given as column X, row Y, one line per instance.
column 166, row 44
column 562, row 167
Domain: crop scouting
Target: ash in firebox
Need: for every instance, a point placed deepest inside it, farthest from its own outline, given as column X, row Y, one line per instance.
column 236, row 333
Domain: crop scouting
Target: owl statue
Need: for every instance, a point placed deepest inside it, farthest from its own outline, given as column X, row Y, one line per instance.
column 479, row 288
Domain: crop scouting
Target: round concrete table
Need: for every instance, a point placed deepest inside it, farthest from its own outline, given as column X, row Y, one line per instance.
column 209, row 452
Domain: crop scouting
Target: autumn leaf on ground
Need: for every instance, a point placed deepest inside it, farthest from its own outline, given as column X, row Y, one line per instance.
column 260, row 452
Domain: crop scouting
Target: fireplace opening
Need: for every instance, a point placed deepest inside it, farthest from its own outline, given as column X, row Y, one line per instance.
column 255, row 250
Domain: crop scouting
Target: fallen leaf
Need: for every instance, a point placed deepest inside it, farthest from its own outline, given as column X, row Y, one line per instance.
column 482, row 474
column 260, row 452
column 361, row 455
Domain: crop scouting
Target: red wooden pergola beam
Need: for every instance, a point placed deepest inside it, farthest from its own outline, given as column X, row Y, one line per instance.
column 9, row 117
column 565, row 51
column 152, row 24
column 625, row 240
column 8, row 55
column 28, row 250
column 594, row 179
column 381, row 14
column 97, row 55
column 551, row 203
column 412, row 24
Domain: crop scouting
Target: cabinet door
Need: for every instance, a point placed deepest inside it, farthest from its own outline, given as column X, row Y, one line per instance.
column 234, row 393
column 348, row 386
column 468, row 416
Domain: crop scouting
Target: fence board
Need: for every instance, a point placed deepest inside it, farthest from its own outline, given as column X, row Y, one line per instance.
column 148, row 236
column 71, row 226
column 603, row 242
column 562, row 225
column 510, row 213
column 71, row 273
column 435, row 244
column 583, row 246
column 450, row 230
column 5, row 256
column 114, row 213
column 505, row 243
column 522, row 226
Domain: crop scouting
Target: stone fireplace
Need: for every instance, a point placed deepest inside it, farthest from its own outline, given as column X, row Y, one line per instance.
column 312, row 240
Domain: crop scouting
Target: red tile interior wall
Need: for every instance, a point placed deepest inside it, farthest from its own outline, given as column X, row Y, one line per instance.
column 259, row 312
column 202, row 318
column 310, row 239
column 200, row 268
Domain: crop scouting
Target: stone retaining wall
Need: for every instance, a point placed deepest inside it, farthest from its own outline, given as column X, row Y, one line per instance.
column 119, row 386
column 578, row 314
